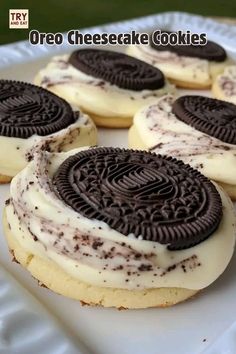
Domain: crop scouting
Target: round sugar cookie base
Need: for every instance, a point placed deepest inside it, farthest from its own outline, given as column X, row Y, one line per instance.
column 53, row 277
column 190, row 85
column 5, row 179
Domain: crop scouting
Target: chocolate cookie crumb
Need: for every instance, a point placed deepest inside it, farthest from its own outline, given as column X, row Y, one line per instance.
column 7, row 202
column 96, row 244
column 145, row 267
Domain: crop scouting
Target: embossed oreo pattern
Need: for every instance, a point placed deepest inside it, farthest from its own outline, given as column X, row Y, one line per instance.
column 142, row 194
column 211, row 116
column 117, row 68
column 209, row 51
column 26, row 110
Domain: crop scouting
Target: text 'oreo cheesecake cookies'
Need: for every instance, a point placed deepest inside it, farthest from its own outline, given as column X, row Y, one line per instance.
column 224, row 86
column 187, row 66
column 110, row 86
column 116, row 227
column 199, row 130
column 33, row 118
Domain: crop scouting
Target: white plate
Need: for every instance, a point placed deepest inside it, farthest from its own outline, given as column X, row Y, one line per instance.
column 189, row 328
column 26, row 325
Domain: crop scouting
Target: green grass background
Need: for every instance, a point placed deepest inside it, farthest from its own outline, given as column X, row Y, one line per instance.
column 63, row 15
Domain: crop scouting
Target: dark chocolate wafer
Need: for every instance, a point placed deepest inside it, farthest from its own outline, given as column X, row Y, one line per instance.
column 211, row 116
column 117, row 68
column 141, row 194
column 27, row 109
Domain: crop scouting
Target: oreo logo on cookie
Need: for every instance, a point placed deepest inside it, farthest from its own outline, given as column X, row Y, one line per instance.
column 211, row 116
column 141, row 193
column 27, row 109
column 117, row 68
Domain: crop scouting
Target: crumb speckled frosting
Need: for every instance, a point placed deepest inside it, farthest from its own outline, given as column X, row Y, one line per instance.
column 96, row 253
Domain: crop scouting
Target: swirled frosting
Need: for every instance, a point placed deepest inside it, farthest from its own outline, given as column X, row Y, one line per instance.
column 92, row 251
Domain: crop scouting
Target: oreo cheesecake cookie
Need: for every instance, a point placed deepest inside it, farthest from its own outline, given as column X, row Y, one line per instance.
column 116, row 227
column 33, row 118
column 224, row 86
column 199, row 130
column 110, row 86
column 187, row 66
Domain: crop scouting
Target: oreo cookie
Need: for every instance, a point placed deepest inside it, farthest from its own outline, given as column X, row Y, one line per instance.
column 211, row 116
column 141, row 194
column 117, row 68
column 210, row 51
column 26, row 110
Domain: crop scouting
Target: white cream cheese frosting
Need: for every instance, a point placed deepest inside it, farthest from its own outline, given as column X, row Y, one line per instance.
column 182, row 68
column 162, row 132
column 94, row 95
column 16, row 152
column 91, row 251
column 225, row 85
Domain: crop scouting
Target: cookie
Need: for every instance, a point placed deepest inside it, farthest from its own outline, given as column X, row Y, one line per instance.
column 90, row 232
column 224, row 86
column 230, row 190
column 110, row 86
column 33, row 118
column 199, row 130
column 187, row 66
column 5, row 179
column 191, row 85
column 211, row 51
